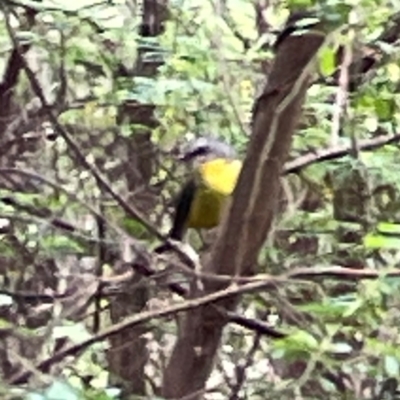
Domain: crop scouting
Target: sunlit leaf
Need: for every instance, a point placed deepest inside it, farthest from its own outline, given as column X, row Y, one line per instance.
column 392, row 366
column 327, row 61
column 300, row 341
column 375, row 241
column 58, row 390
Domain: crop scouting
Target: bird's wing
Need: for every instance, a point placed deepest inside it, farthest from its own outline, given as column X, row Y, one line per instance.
column 182, row 210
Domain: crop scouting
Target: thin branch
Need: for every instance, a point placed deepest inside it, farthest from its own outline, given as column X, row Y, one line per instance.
column 132, row 321
column 341, row 95
column 232, row 291
column 339, row 273
column 333, row 153
column 12, row 70
column 75, row 148
column 101, row 260
column 33, row 176
column 240, row 370
column 81, row 158
column 143, row 268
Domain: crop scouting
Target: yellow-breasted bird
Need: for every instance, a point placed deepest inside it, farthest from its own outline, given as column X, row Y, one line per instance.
column 202, row 200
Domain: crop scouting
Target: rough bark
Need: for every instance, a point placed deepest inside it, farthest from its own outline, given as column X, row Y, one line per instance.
column 252, row 212
column 128, row 353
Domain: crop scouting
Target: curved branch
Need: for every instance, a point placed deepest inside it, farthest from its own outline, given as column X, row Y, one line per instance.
column 333, row 153
column 75, row 149
column 250, row 217
column 261, row 282
column 12, row 71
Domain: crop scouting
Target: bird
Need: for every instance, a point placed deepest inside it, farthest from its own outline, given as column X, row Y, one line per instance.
column 215, row 169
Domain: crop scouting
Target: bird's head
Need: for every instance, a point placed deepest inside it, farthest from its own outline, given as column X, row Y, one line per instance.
column 206, row 148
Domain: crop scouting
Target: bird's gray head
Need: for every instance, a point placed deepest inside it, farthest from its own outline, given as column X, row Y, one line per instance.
column 206, row 148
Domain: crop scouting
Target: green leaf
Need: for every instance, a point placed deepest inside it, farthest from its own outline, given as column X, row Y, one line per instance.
column 76, row 332
column 62, row 390
column 5, row 300
column 383, row 107
column 329, row 307
column 59, row 390
column 300, row 341
column 392, row 366
column 342, row 348
column 327, row 61
column 133, row 227
column 373, row 241
column 61, row 244
column 353, row 308
column 393, row 72
column 35, row 396
column 388, row 227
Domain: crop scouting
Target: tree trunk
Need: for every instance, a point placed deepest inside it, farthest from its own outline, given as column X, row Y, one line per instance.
column 128, row 354
column 252, row 212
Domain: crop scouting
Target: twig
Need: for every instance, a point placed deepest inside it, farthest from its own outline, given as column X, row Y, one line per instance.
column 100, row 261
column 240, row 370
column 73, row 196
column 12, row 71
column 337, row 152
column 260, row 283
column 341, row 95
column 341, row 273
column 134, row 321
column 80, row 157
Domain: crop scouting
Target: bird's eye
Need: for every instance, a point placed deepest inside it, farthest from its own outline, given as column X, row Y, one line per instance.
column 200, row 151
column 197, row 152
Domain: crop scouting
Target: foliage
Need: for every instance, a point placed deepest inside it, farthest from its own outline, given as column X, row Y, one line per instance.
column 207, row 69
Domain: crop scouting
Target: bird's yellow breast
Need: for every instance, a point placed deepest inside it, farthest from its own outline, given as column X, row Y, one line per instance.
column 216, row 181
